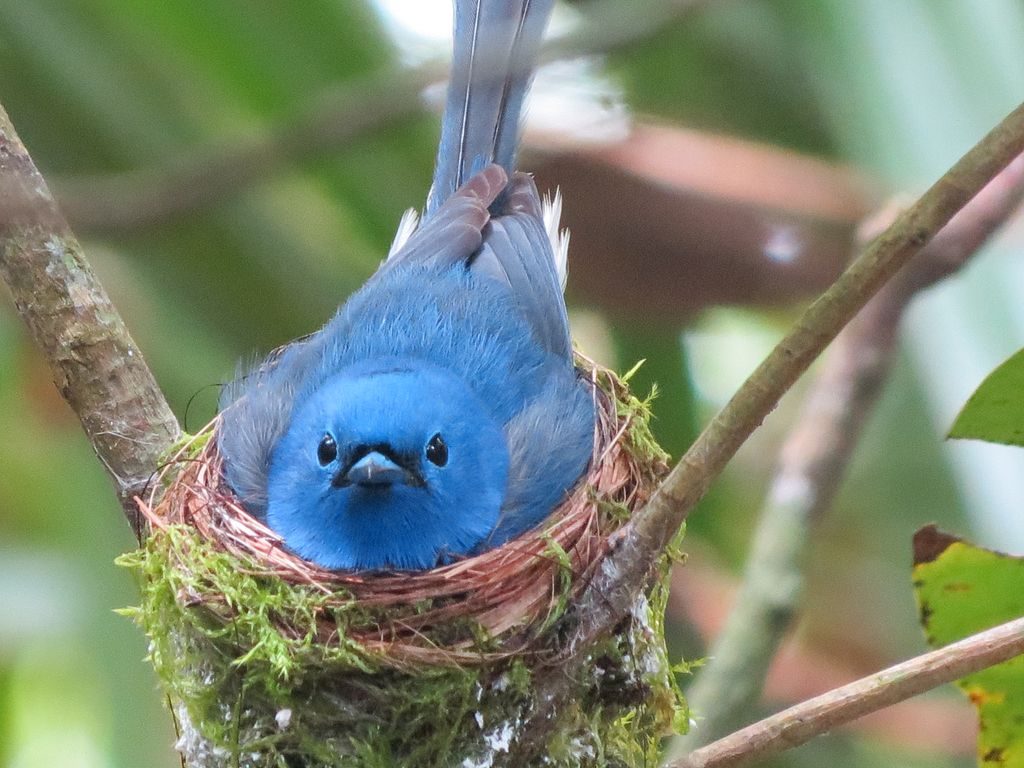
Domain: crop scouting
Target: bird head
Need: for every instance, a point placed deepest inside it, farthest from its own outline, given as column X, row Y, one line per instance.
column 398, row 465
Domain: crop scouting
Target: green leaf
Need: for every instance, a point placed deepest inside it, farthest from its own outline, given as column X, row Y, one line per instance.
column 963, row 589
column 995, row 412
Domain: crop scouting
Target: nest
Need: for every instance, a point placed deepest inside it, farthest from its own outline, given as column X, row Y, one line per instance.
column 471, row 612
column 269, row 660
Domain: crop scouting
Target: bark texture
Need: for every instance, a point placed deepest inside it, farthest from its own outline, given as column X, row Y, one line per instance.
column 96, row 366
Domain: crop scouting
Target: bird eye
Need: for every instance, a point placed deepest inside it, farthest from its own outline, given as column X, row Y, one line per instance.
column 327, row 451
column 437, row 451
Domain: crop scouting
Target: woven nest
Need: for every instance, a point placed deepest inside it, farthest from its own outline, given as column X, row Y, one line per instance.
column 473, row 611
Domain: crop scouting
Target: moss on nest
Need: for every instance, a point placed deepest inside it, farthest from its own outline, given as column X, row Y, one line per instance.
column 264, row 671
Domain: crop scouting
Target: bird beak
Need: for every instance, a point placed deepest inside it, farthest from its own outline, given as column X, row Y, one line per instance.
column 373, row 470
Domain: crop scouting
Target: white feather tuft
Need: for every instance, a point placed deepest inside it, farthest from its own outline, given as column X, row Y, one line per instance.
column 406, row 226
column 552, row 211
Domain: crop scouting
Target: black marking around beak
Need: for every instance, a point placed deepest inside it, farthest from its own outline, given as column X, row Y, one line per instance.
column 379, row 466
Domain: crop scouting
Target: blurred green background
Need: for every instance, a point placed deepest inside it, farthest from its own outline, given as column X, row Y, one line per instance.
column 897, row 88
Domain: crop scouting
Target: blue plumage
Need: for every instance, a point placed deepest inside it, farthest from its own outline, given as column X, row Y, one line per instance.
column 439, row 412
column 399, row 430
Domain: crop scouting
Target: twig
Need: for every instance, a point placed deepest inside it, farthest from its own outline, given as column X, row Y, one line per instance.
column 626, row 568
column 799, row 724
column 96, row 365
column 812, row 463
column 625, row 571
column 207, row 175
column 202, row 177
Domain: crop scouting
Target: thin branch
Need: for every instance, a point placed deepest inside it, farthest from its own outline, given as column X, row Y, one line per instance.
column 200, row 178
column 812, row 463
column 96, row 365
column 626, row 570
column 801, row 723
column 204, row 176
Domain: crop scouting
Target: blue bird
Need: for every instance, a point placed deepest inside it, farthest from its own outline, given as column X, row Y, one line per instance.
column 439, row 413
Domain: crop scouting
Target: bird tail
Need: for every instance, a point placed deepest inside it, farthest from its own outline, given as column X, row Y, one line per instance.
column 496, row 44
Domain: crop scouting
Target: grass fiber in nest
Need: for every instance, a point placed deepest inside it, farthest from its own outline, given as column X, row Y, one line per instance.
column 271, row 660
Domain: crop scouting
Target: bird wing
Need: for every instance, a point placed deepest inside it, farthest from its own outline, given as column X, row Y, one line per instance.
column 550, row 442
column 455, row 231
column 255, row 410
column 496, row 44
column 517, row 251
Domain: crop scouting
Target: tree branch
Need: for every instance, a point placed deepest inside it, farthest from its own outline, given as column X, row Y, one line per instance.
column 812, row 463
column 201, row 177
column 636, row 546
column 799, row 724
column 96, row 365
column 207, row 175
column 626, row 570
